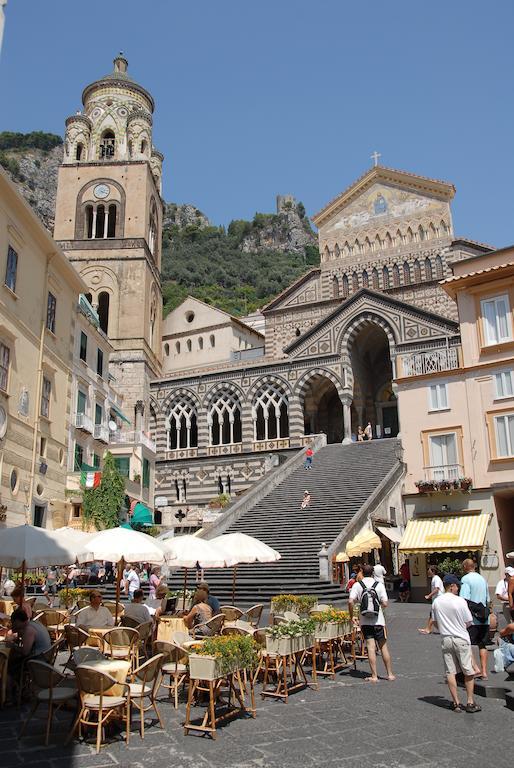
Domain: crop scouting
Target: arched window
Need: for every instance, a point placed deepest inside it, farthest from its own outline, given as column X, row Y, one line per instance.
column 406, row 273
column 103, row 310
column 212, row 340
column 439, row 268
column 111, row 221
column 130, row 148
column 399, row 238
column 346, row 249
column 107, row 145
column 396, row 276
column 374, row 279
column 378, row 243
column 421, row 233
column 153, row 320
column 326, row 254
column 428, row 269
column 177, row 347
column 78, row 152
column 356, row 247
column 432, row 231
column 365, row 279
column 200, row 342
column 143, row 147
column 443, row 228
column 335, row 287
column 388, row 241
column 367, row 244
column 167, row 349
column 410, row 236
column 337, row 252
column 355, row 282
column 89, row 297
column 100, row 221
column 152, row 230
column 270, row 412
column 346, row 287
column 297, row 332
column 385, row 278
column 89, row 222
column 224, row 419
column 189, row 345
column 417, row 271
column 182, row 426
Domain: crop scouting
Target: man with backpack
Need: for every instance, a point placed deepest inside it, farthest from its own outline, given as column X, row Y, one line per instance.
column 371, row 596
column 475, row 591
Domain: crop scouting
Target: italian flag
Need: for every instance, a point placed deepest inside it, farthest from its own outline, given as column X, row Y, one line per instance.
column 90, row 479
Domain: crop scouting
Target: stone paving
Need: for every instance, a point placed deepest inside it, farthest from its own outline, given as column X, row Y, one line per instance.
column 346, row 723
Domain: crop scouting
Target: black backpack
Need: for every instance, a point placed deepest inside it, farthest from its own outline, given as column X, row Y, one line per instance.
column 370, row 604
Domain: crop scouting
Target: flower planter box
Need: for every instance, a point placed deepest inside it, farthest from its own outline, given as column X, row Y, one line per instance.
column 344, row 628
column 206, row 667
column 281, row 645
column 328, row 631
column 184, row 605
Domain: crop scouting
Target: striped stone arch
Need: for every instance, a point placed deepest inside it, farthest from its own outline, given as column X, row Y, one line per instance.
column 268, row 379
column 347, row 335
column 304, row 381
column 180, row 392
column 223, row 386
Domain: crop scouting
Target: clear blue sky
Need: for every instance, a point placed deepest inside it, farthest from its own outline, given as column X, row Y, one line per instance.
column 259, row 97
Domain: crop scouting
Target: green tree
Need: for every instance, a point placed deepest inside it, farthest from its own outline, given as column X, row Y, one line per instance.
column 101, row 506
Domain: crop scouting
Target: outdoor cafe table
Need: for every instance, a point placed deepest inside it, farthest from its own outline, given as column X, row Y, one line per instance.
column 116, row 668
column 96, row 636
column 168, row 625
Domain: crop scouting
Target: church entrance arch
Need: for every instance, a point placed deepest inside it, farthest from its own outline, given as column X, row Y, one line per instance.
column 322, row 408
column 373, row 396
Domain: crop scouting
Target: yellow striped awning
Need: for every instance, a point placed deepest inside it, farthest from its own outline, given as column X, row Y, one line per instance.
column 445, row 534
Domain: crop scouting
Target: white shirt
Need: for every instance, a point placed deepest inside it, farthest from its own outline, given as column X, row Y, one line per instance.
column 502, row 589
column 99, row 619
column 356, row 594
column 133, row 581
column 452, row 616
column 138, row 611
column 379, row 572
column 437, row 583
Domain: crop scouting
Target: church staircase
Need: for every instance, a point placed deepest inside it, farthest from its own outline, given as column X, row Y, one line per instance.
column 342, row 479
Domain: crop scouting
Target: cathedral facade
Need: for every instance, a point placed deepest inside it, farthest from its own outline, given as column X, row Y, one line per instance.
column 335, row 342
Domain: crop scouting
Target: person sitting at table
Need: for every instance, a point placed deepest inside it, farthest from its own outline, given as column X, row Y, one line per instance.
column 136, row 610
column 27, row 640
column 18, row 595
column 211, row 600
column 96, row 615
column 199, row 613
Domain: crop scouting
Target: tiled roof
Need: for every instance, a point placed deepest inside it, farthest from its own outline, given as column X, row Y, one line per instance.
column 484, row 271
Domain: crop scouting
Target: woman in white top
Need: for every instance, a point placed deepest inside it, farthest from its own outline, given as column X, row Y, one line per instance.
column 436, row 589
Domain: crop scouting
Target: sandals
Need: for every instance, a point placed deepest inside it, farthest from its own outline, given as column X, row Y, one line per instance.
column 472, row 708
column 456, row 707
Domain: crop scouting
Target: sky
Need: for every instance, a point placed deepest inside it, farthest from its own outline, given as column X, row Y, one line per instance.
column 260, row 97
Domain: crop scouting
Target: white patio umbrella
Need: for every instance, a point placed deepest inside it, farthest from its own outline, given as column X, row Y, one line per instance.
column 25, row 546
column 186, row 551
column 244, row 549
column 122, row 545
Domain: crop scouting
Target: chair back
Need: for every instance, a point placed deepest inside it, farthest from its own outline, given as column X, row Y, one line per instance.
column 111, row 606
column 53, row 618
column 43, row 675
column 85, row 654
column 36, row 606
column 163, row 648
column 149, row 671
column 291, row 616
column 75, row 637
column 231, row 612
column 93, row 682
column 32, row 601
column 180, row 637
column 51, row 654
column 145, row 630
column 278, row 619
column 235, row 631
column 215, row 624
column 128, row 621
column 121, row 637
column 253, row 614
column 82, row 603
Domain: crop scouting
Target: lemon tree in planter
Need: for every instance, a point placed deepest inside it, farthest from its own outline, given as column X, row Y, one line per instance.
column 219, row 656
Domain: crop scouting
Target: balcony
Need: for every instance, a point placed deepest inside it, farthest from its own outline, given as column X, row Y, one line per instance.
column 123, row 437
column 84, row 422
column 101, row 433
column 433, row 361
column 444, row 478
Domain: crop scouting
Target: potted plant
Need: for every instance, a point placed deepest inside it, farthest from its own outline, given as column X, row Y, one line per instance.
column 331, row 624
column 299, row 604
column 70, row 597
column 290, row 637
column 218, row 657
column 220, row 501
column 182, row 604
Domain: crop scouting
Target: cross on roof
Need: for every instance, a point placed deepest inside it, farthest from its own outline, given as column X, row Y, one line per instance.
column 375, row 157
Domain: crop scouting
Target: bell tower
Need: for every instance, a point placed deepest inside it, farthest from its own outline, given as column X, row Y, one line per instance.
column 109, row 222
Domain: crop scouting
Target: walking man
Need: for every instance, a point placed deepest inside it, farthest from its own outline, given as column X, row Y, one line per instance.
column 475, row 591
column 436, row 590
column 452, row 618
column 371, row 595
column 309, row 453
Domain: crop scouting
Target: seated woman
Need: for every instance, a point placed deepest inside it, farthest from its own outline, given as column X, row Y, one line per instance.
column 199, row 613
column 18, row 596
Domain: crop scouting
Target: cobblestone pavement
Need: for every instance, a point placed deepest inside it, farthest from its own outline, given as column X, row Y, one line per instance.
column 345, row 723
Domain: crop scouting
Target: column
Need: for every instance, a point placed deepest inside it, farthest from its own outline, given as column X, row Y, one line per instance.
column 347, row 420
column 139, row 409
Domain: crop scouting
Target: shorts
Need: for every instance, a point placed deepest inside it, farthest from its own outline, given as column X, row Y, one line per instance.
column 457, row 656
column 479, row 634
column 374, row 632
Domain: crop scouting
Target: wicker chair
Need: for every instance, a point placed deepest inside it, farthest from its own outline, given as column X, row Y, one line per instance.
column 291, row 616
column 211, row 627
column 84, row 655
column 54, row 621
column 111, row 606
column 235, row 631
column 145, row 636
column 231, row 612
column 179, row 637
column 144, row 685
column 47, row 681
column 173, row 666
column 50, row 655
column 75, row 638
column 253, row 615
column 92, row 686
column 128, row 621
column 122, row 643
